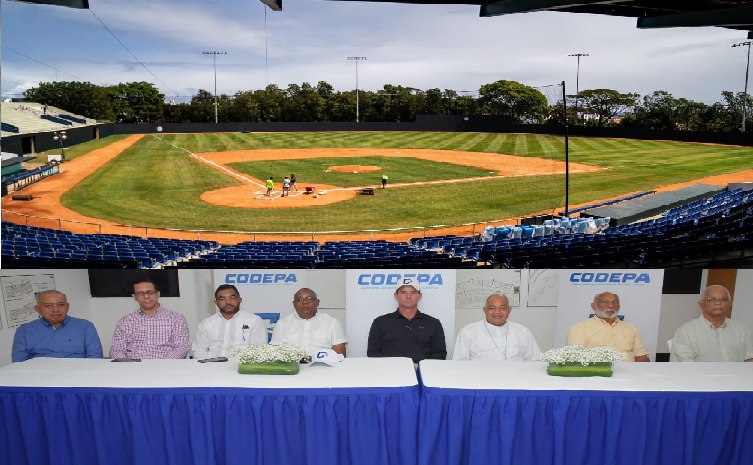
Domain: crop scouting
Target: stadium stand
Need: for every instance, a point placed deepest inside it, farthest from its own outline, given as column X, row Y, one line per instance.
column 26, row 117
column 72, row 119
column 56, row 120
column 32, row 247
column 9, row 128
column 717, row 229
column 572, row 211
column 29, row 177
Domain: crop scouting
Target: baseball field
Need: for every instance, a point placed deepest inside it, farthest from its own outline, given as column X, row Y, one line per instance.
column 215, row 182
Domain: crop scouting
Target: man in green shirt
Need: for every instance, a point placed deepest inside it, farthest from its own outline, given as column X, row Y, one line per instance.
column 270, row 185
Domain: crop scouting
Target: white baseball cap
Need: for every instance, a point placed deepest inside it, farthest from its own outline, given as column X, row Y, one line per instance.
column 408, row 281
column 328, row 356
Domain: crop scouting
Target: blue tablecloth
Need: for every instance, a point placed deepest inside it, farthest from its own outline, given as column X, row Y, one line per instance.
column 484, row 427
column 207, row 426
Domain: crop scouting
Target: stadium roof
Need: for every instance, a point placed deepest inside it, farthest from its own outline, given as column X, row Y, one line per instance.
column 81, row 4
column 732, row 14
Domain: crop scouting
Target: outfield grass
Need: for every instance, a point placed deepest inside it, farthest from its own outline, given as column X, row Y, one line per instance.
column 153, row 184
column 398, row 170
column 76, row 151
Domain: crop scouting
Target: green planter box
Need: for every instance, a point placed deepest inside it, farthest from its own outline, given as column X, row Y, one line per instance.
column 271, row 368
column 577, row 369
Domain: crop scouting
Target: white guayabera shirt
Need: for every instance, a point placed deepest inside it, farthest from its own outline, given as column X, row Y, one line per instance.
column 216, row 336
column 319, row 332
column 512, row 342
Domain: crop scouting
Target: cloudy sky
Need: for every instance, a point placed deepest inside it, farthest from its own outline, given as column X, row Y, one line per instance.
column 421, row 46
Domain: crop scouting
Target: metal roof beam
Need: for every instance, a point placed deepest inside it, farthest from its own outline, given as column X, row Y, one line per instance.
column 275, row 5
column 729, row 17
column 506, row 7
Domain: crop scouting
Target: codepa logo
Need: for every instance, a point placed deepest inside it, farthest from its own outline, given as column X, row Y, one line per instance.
column 611, row 278
column 261, row 278
column 390, row 281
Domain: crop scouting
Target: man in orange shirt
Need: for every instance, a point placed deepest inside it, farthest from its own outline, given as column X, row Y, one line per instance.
column 606, row 330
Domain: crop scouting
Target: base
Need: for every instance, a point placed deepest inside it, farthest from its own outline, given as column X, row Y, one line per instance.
column 577, row 369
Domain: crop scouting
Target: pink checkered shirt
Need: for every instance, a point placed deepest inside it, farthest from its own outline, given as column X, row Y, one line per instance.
column 162, row 335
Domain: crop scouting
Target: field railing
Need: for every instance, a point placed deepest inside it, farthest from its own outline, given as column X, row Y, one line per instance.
column 395, row 234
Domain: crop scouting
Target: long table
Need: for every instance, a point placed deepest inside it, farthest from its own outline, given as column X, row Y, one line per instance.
column 73, row 411
column 647, row 413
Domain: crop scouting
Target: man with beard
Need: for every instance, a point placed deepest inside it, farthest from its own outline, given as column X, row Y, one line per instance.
column 309, row 327
column 217, row 335
column 606, row 330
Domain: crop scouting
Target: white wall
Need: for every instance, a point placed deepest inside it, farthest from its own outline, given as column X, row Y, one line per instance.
column 74, row 283
column 197, row 292
column 742, row 307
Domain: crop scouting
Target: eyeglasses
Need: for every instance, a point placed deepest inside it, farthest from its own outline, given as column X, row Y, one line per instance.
column 300, row 300
column 716, row 299
column 143, row 293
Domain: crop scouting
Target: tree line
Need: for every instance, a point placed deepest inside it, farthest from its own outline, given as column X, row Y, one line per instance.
column 141, row 102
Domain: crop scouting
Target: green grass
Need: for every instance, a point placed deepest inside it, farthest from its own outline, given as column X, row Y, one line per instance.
column 76, row 151
column 153, row 184
column 398, row 170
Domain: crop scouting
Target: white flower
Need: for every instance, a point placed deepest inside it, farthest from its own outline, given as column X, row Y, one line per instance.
column 582, row 355
column 263, row 353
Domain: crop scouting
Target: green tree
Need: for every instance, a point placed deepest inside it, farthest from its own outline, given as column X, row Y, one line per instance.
column 136, row 102
column 524, row 104
column 606, row 103
column 80, row 98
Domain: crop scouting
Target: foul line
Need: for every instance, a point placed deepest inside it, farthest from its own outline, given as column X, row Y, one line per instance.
column 225, row 169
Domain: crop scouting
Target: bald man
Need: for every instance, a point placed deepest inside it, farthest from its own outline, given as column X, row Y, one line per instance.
column 606, row 330
column 713, row 337
column 495, row 337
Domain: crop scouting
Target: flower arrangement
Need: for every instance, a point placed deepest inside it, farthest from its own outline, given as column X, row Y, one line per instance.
column 582, row 355
column 263, row 353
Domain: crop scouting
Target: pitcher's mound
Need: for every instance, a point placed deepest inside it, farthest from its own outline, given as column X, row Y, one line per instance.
column 354, row 168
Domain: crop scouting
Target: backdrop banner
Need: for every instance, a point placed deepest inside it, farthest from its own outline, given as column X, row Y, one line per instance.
column 639, row 292
column 371, row 293
column 268, row 293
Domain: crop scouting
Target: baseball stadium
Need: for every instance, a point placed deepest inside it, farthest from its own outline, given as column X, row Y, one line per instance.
column 441, row 191
column 452, row 186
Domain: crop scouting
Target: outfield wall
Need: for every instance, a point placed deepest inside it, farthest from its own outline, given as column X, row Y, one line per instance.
column 423, row 123
column 445, row 123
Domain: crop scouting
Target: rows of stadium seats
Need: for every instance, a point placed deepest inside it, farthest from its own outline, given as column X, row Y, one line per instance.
column 345, row 254
column 29, row 177
column 719, row 227
column 32, row 247
column 608, row 202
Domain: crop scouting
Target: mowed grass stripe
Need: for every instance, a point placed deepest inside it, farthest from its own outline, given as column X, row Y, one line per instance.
column 153, row 184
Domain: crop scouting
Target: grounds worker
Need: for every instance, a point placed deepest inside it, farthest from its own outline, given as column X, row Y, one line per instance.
column 270, row 185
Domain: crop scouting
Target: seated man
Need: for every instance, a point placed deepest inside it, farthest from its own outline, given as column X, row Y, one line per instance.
column 407, row 332
column 217, row 335
column 713, row 337
column 152, row 331
column 606, row 330
column 55, row 334
column 495, row 337
column 308, row 327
